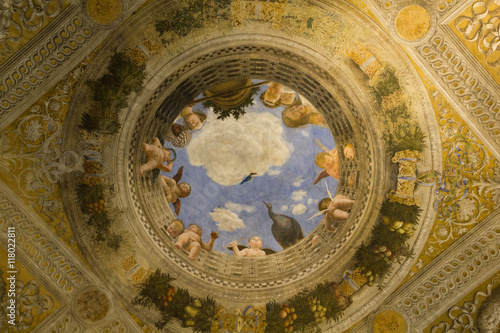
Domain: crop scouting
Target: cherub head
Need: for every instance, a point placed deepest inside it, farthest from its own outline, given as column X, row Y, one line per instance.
column 296, row 116
column 194, row 228
column 287, row 96
column 185, row 190
column 255, row 243
column 177, row 129
column 175, row 228
column 166, row 154
column 349, row 151
column 273, row 93
column 324, row 160
column 194, row 120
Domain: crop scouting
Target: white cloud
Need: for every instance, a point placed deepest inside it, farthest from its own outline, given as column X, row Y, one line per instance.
column 298, row 195
column 312, row 201
column 297, row 181
column 304, row 133
column 227, row 220
column 299, row 209
column 283, row 209
column 273, row 172
column 238, row 208
column 231, row 149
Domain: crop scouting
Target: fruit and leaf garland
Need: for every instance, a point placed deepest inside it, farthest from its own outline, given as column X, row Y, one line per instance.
column 192, row 16
column 306, row 310
column 193, row 312
column 94, row 204
column 389, row 240
column 401, row 128
column 110, row 95
column 397, row 221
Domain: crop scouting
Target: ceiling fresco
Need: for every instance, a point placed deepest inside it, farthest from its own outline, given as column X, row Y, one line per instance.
column 249, row 166
column 235, row 165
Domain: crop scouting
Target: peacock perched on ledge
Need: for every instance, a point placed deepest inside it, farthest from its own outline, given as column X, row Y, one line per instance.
column 286, row 230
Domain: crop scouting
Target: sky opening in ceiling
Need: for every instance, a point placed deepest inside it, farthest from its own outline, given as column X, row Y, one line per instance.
column 235, row 164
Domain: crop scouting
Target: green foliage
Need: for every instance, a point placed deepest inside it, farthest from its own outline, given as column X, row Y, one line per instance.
column 156, row 284
column 273, row 319
column 405, row 137
column 86, row 194
column 92, row 123
column 123, row 77
column 371, row 261
column 394, row 241
column 99, row 221
column 401, row 212
column 386, row 84
column 113, row 241
column 306, row 321
column 402, row 131
column 397, row 113
column 327, row 299
column 305, row 317
column 192, row 17
column 176, row 308
column 110, row 93
column 190, row 311
column 205, row 317
column 237, row 111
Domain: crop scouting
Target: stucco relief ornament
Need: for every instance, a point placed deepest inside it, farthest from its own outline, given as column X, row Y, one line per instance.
column 474, row 318
column 5, row 17
column 31, row 304
column 92, row 306
column 488, row 320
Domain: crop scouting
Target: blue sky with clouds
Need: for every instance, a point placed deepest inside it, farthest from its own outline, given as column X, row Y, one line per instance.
column 226, row 151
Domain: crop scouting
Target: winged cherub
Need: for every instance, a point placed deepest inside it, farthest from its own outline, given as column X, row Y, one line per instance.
column 174, row 190
column 156, row 155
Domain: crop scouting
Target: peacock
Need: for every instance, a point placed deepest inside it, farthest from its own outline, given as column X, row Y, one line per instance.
column 286, row 230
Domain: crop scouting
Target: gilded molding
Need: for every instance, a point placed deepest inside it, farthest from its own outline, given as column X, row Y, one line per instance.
column 31, row 154
column 42, row 251
column 480, row 27
column 441, row 7
column 23, row 20
column 466, row 197
column 471, row 315
column 451, row 275
column 464, row 83
column 458, row 271
column 41, row 63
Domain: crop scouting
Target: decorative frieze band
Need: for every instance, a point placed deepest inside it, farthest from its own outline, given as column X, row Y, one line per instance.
column 441, row 6
column 472, row 258
column 42, row 251
column 463, row 81
column 36, row 67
